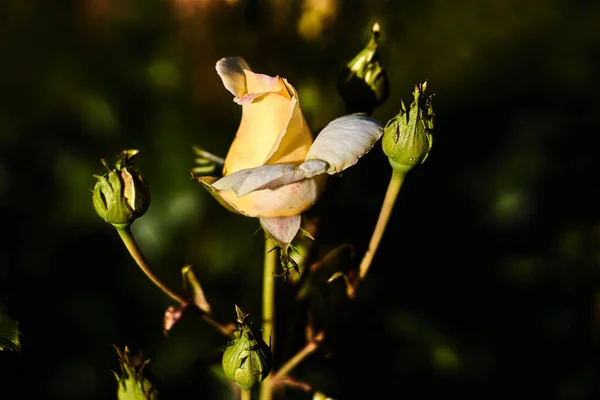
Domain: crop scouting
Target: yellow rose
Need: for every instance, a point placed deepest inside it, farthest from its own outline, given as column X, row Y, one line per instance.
column 274, row 169
column 272, row 131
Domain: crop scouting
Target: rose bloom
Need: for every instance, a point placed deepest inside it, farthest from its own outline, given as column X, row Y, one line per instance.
column 275, row 169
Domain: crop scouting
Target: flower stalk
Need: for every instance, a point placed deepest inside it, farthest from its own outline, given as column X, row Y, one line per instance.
column 246, row 394
column 136, row 253
column 133, row 248
column 391, row 194
column 268, row 308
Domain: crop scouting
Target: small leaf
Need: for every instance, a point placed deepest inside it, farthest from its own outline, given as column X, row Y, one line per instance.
column 349, row 287
column 206, row 162
column 9, row 332
column 193, row 288
column 241, row 316
column 306, row 233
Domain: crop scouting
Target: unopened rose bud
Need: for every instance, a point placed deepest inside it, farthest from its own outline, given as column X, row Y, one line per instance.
column 131, row 382
column 247, row 359
column 407, row 138
column 363, row 83
column 121, row 195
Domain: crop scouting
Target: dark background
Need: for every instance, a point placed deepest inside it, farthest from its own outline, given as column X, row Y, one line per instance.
column 486, row 284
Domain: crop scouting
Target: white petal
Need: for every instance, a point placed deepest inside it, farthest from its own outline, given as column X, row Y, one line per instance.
column 269, row 176
column 233, row 181
column 344, row 140
column 231, row 71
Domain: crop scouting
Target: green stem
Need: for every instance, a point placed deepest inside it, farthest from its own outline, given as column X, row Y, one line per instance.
column 384, row 215
column 246, row 394
column 133, row 248
column 138, row 256
column 268, row 309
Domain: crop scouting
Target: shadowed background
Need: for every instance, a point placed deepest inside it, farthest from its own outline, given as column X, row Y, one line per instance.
column 486, row 283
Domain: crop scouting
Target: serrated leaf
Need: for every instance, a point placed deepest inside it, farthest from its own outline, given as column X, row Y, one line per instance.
column 9, row 332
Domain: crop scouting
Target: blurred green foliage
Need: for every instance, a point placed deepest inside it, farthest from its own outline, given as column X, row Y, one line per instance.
column 496, row 292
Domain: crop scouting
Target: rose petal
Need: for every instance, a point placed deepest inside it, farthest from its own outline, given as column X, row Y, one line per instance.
column 282, row 201
column 261, row 83
column 344, row 140
column 233, row 181
column 293, row 142
column 283, row 230
column 248, row 98
column 231, row 71
column 272, row 131
column 270, row 176
column 206, row 182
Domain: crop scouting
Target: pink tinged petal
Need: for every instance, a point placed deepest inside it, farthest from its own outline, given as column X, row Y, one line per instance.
column 249, row 98
column 261, row 83
column 344, row 140
column 267, row 177
column 283, row 201
column 231, row 71
column 283, row 229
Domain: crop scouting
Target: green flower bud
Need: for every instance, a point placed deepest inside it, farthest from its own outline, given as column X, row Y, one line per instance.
column 121, row 195
column 407, row 138
column 131, row 383
column 247, row 359
column 363, row 83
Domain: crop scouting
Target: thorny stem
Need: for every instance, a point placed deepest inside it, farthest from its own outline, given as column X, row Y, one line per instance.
column 384, row 215
column 391, row 194
column 136, row 253
column 268, row 308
